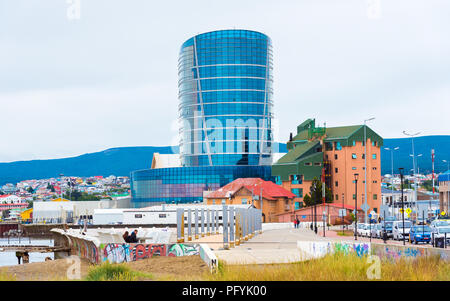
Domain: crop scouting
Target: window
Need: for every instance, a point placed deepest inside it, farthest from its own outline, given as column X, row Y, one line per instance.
column 162, row 216
column 278, row 180
column 354, row 168
column 374, row 168
column 375, row 196
column 335, row 156
column 138, row 216
column 374, row 156
column 354, row 196
column 213, row 202
column 296, row 179
column 336, row 170
column 298, row 192
column 223, row 202
column 337, row 197
column 244, row 201
column 354, row 143
column 308, row 164
column 336, row 184
column 374, row 182
column 363, row 156
column 328, row 146
column 338, row 146
column 317, row 164
column 353, row 156
column 374, row 143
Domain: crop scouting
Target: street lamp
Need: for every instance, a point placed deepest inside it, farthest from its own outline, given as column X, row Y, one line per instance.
column 448, row 164
column 356, row 205
column 365, row 167
column 392, row 168
column 403, row 207
column 414, row 162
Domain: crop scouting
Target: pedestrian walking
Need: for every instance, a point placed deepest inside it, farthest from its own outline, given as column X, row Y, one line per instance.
column 298, row 223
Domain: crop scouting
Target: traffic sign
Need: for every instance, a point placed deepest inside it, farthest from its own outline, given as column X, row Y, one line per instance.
column 342, row 212
column 365, row 207
column 408, row 211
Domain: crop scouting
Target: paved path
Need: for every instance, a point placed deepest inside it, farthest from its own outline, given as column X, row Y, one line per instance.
column 272, row 246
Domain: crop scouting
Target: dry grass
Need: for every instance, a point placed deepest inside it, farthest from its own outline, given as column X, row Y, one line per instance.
column 4, row 276
column 337, row 267
column 115, row 272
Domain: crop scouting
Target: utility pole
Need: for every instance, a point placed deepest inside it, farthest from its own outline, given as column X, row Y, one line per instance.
column 432, row 164
column 403, row 208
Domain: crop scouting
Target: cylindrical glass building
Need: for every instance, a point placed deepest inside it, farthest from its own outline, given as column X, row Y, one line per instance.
column 226, row 99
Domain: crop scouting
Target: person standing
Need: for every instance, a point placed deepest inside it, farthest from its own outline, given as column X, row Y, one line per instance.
column 298, row 222
column 26, row 257
column 19, row 256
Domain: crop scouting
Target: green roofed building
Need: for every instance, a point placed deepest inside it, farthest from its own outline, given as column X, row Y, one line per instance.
column 332, row 155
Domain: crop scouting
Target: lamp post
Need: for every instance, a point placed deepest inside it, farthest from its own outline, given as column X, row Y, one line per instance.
column 403, row 208
column 365, row 167
column 392, row 169
column 356, row 205
column 448, row 164
column 414, row 162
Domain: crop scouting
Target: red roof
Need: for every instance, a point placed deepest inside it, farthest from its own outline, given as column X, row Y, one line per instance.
column 270, row 190
column 5, row 195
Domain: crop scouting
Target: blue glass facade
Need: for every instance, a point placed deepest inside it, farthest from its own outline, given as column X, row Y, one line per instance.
column 226, row 99
column 225, row 112
column 186, row 184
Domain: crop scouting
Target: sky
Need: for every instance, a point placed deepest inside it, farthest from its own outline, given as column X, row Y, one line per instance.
column 80, row 76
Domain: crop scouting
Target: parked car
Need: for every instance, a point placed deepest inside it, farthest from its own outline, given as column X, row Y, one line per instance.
column 377, row 230
column 359, row 228
column 420, row 234
column 388, row 226
column 440, row 232
column 365, row 230
column 398, row 232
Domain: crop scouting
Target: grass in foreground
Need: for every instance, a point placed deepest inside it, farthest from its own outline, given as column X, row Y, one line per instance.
column 115, row 272
column 6, row 276
column 337, row 267
column 345, row 233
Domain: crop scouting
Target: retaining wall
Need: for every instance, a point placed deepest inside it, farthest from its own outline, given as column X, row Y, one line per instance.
column 408, row 252
column 208, row 257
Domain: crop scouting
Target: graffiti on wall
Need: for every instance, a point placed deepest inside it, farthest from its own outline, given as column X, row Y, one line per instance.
column 317, row 249
column 360, row 249
column 396, row 252
column 85, row 249
column 117, row 253
column 183, row 250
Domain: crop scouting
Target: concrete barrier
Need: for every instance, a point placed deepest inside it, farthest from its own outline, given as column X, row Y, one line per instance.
column 396, row 252
column 276, row 226
column 318, row 249
column 209, row 257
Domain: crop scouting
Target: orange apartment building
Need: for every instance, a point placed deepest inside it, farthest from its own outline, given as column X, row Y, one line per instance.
column 333, row 155
column 275, row 199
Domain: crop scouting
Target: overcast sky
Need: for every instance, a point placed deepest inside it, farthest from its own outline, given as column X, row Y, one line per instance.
column 109, row 79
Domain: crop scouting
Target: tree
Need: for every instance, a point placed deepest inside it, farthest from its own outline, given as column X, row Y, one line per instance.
column 316, row 193
column 30, row 190
column 307, row 200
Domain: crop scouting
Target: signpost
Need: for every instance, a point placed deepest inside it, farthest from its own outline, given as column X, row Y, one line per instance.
column 342, row 214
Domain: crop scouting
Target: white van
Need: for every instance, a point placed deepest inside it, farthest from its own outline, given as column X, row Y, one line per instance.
column 397, row 233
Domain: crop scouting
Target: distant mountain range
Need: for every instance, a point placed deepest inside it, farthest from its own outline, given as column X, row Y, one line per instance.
column 121, row 161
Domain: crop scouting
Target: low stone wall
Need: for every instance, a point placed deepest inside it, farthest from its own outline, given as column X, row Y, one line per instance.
column 275, row 226
column 208, row 256
column 318, row 249
column 396, row 252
